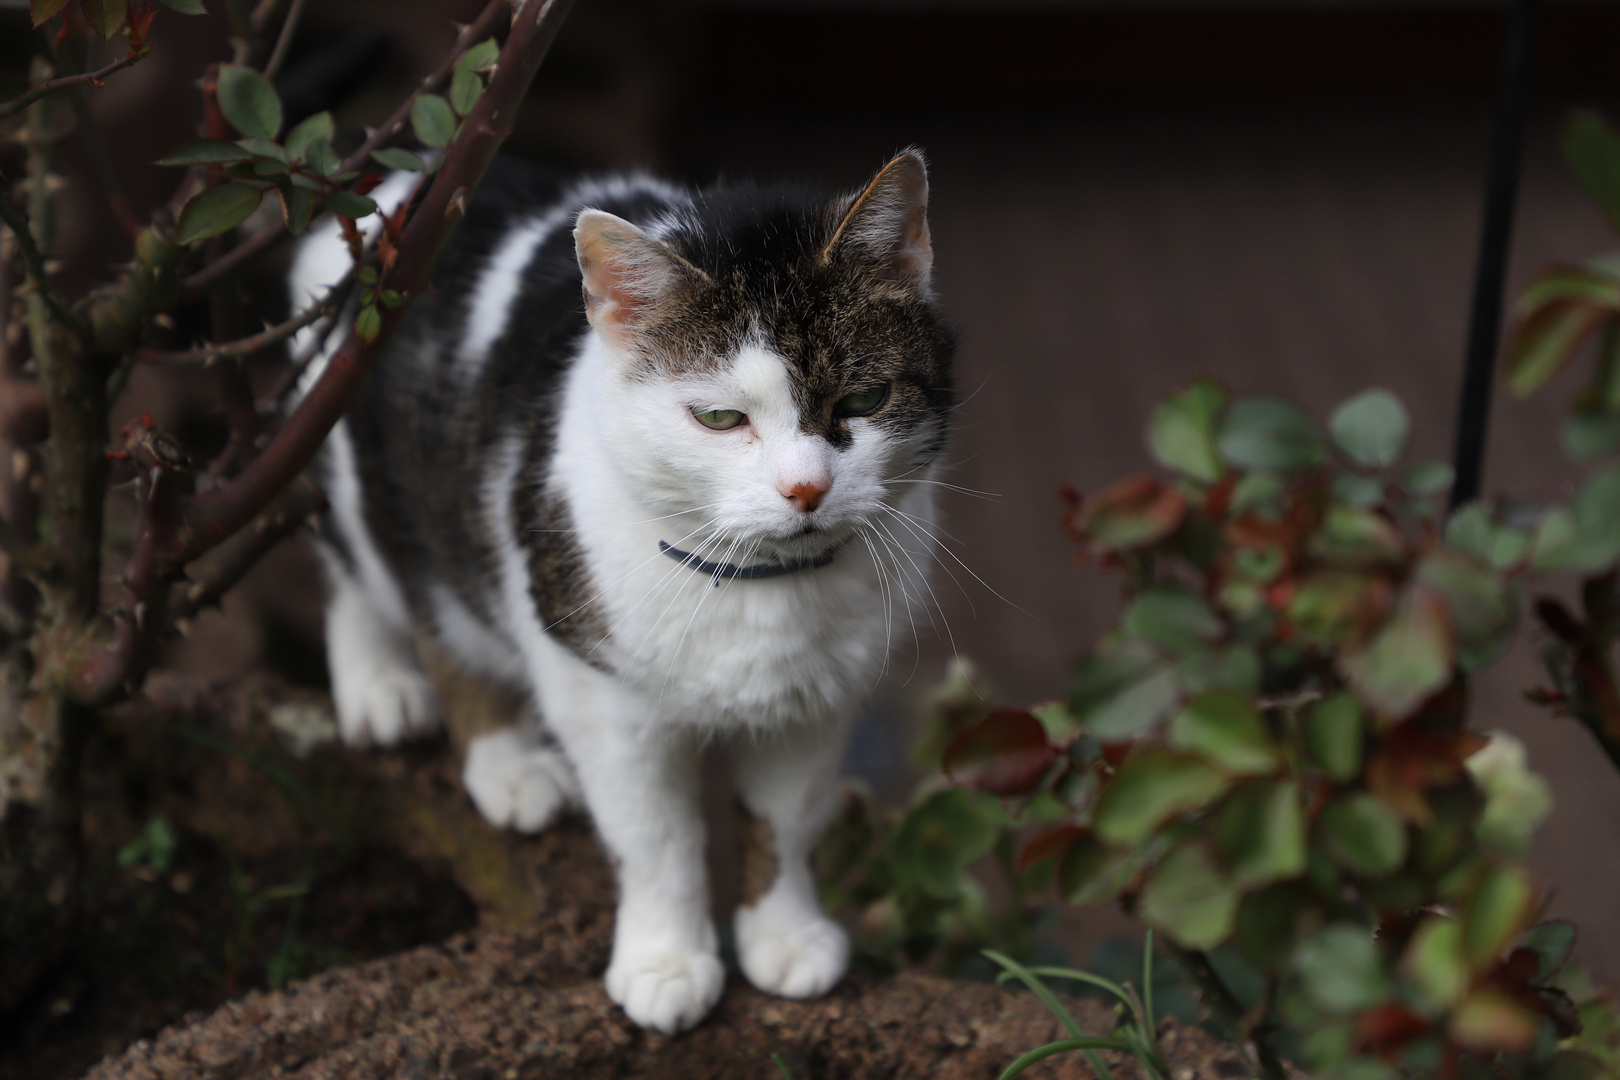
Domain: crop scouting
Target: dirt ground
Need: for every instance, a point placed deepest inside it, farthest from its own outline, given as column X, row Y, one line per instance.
column 291, row 858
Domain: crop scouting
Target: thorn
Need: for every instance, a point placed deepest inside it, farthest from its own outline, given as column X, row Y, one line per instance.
column 165, row 320
column 196, row 592
column 20, row 464
column 182, row 627
column 140, row 613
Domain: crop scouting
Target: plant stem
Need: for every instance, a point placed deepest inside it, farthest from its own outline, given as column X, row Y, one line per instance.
column 48, row 85
column 1224, row 1006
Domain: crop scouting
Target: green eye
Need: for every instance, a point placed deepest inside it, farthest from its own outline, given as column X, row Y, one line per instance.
column 863, row 402
column 719, row 419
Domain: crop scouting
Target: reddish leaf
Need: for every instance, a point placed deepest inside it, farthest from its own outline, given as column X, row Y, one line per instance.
column 1409, row 761
column 1388, row 1028
column 1049, row 844
column 1006, row 753
column 1134, row 513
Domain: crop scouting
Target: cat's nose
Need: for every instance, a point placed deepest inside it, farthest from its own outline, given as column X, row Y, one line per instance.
column 806, row 496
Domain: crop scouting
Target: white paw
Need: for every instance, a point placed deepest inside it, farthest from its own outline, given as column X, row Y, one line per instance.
column 517, row 783
column 383, row 707
column 795, row 958
column 669, row 990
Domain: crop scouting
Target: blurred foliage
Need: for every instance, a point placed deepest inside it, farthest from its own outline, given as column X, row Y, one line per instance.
column 1269, row 754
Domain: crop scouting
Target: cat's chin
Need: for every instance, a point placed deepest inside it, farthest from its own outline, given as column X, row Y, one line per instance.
column 805, row 546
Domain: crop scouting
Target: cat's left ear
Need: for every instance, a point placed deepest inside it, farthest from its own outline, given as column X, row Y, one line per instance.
column 887, row 223
column 626, row 273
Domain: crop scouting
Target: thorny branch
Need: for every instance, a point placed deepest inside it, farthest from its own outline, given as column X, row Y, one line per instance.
column 206, row 278
column 172, row 532
column 88, row 78
column 207, row 354
column 38, row 274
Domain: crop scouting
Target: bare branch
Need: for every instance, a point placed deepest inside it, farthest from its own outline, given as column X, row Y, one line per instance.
column 288, row 26
column 164, row 544
column 207, row 354
column 213, row 577
column 205, row 279
column 88, row 78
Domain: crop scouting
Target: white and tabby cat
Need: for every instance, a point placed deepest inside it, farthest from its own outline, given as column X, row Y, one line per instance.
column 689, row 507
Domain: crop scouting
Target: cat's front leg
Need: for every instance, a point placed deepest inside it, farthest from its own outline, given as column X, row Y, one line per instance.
column 786, row 782
column 642, row 788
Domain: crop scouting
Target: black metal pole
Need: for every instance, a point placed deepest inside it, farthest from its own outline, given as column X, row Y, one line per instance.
column 1501, row 189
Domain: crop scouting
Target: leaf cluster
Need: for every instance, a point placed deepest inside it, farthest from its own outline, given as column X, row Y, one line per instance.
column 1270, row 747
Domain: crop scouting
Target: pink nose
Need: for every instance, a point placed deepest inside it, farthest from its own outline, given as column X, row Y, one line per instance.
column 806, row 496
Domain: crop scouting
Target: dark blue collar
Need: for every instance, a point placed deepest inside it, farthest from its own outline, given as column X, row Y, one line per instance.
column 727, row 571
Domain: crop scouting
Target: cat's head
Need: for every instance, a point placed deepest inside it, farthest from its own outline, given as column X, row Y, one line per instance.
column 778, row 367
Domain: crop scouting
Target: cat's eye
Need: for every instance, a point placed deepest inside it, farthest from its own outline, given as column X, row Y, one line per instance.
column 863, row 402
column 719, row 419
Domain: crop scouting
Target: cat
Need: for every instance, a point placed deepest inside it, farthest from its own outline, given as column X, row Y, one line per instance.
column 660, row 461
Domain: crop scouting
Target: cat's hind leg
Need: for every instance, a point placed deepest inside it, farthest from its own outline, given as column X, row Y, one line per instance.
column 381, row 694
column 786, row 782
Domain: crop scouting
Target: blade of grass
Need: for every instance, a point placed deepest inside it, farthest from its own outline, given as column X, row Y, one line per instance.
column 1039, row 989
column 290, row 786
column 781, row 1066
column 1041, row 1053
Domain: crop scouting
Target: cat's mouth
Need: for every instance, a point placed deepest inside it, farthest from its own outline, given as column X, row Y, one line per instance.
column 810, row 541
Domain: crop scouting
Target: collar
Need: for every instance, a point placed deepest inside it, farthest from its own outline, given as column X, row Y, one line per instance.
column 727, row 571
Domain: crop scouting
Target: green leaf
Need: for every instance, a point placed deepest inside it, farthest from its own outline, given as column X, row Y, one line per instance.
column 390, row 299
column 481, row 57
column 1335, row 734
column 465, row 88
column 1371, row 428
column 104, row 16
column 1092, row 873
column 1182, row 431
column 1435, row 962
column 1501, row 906
column 1545, row 342
column 1429, row 478
column 1357, row 490
column 1006, row 754
column 395, row 158
column 186, row 7
column 1173, row 619
column 1587, row 436
column 206, row 152
column 1593, row 149
column 369, row 323
column 297, row 206
column 1340, row 607
column 1273, row 921
column 1342, row 970
column 1187, row 898
column 1356, row 536
column 215, row 211
column 322, row 159
column 249, row 102
column 42, row 11
column 1133, row 513
column 1234, row 668
column 1488, row 1020
column 1363, row 835
column 1553, row 942
column 1150, row 788
column 1585, row 537
column 1120, row 694
column 1266, row 433
column 433, row 120
column 263, row 148
column 1484, row 611
column 1593, row 284
column 317, row 128
column 1472, row 529
column 1225, row 729
column 350, row 205
column 1408, row 660
column 938, row 838
column 153, row 847
column 1260, row 833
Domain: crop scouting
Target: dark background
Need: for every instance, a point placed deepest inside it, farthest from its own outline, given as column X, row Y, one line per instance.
column 1284, row 195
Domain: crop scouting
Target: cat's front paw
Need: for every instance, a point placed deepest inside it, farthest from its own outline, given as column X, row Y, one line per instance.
column 670, row 990
column 516, row 783
column 383, row 707
column 801, row 957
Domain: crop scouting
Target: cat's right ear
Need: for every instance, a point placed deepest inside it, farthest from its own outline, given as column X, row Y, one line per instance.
column 626, row 273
